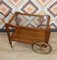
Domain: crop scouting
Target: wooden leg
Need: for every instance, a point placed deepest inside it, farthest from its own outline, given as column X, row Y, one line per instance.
column 8, row 33
column 47, row 36
column 10, row 43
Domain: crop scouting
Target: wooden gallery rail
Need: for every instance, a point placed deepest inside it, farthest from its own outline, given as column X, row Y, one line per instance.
column 38, row 35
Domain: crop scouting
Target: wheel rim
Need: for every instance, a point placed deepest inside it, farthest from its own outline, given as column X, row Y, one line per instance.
column 42, row 48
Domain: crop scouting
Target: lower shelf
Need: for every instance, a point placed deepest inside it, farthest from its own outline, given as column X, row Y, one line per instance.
column 28, row 36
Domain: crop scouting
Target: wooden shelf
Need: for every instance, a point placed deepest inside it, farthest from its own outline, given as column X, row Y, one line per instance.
column 28, row 35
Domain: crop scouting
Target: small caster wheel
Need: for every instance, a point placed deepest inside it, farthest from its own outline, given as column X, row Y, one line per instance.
column 42, row 48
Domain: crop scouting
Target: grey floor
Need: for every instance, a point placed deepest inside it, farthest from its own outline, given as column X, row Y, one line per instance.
column 23, row 51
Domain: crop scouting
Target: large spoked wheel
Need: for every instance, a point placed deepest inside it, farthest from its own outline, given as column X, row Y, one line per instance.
column 42, row 48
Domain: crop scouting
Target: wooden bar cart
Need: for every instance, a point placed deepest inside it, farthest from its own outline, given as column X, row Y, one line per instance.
column 37, row 35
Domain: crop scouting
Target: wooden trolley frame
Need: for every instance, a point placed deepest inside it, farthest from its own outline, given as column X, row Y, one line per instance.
column 29, row 35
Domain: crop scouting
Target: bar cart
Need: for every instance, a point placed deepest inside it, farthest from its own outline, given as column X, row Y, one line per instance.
column 37, row 36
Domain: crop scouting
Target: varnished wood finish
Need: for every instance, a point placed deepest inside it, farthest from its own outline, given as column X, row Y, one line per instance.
column 27, row 34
